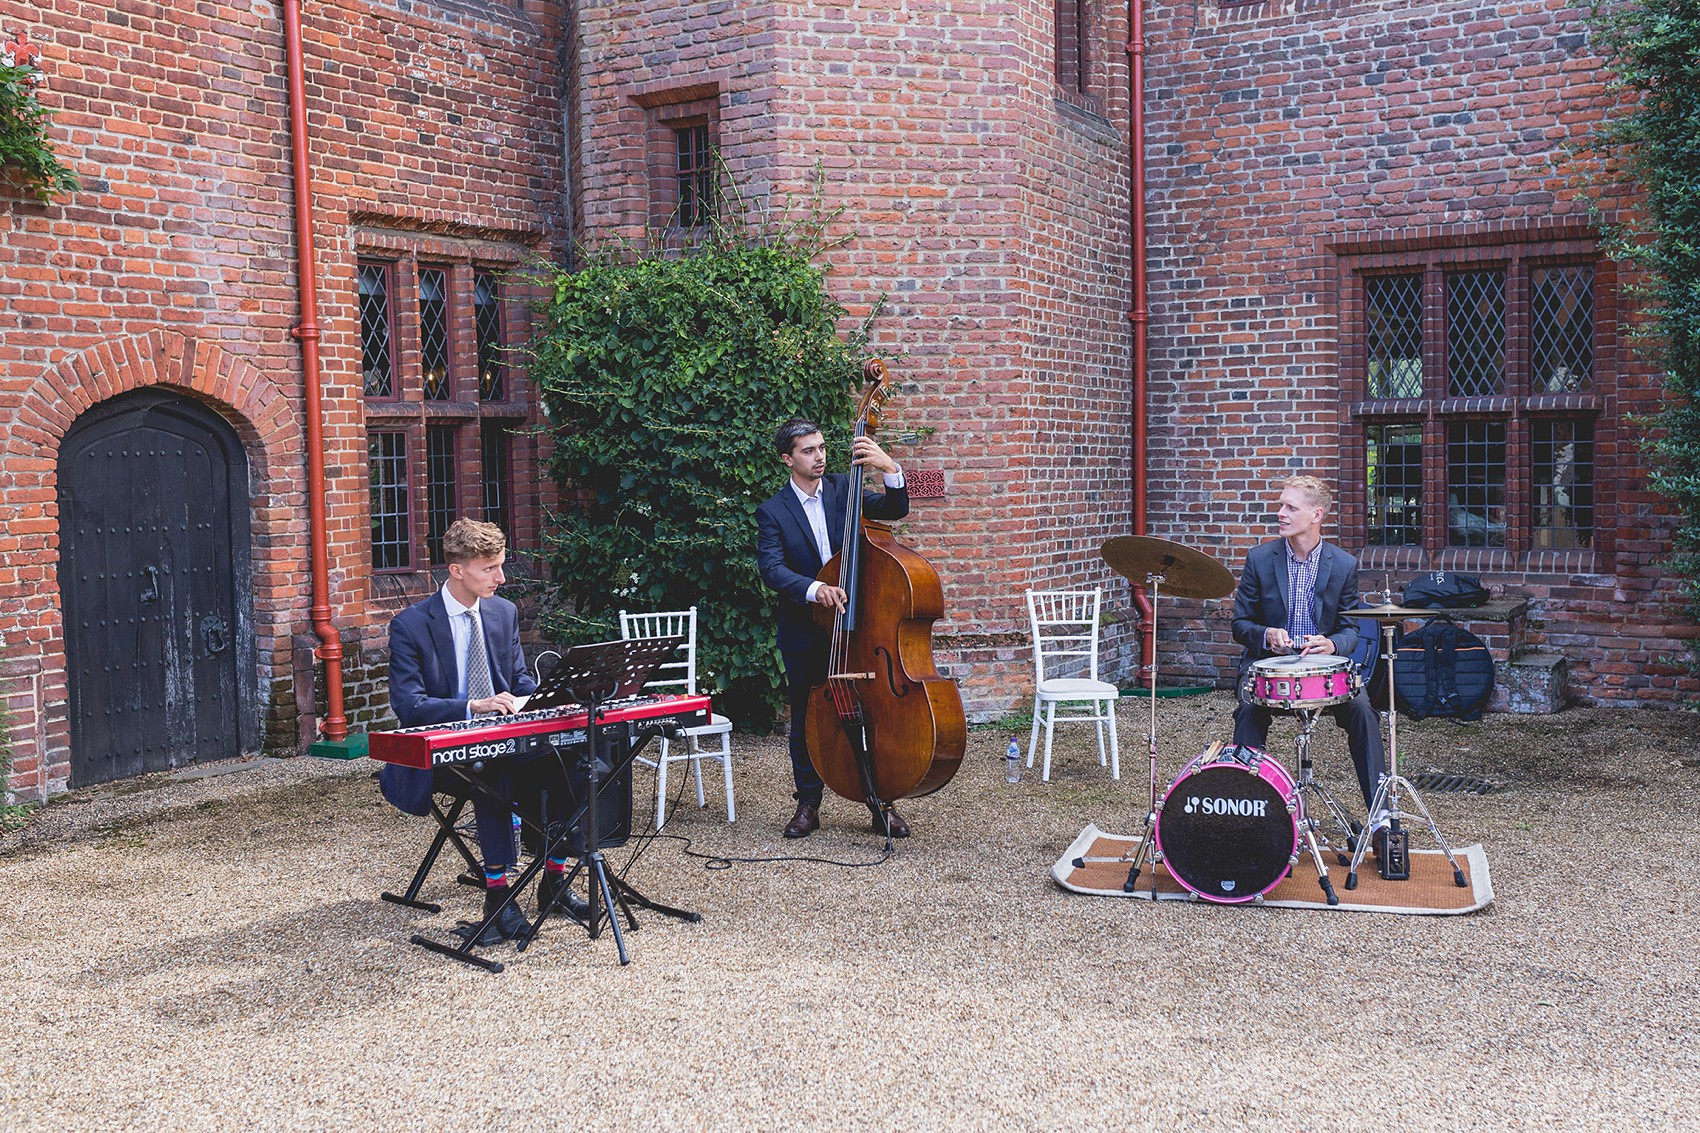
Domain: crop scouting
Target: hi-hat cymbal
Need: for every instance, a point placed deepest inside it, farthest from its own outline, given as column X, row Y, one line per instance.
column 1392, row 613
column 1186, row 573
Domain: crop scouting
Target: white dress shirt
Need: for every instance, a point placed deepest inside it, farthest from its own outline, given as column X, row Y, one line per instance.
column 814, row 510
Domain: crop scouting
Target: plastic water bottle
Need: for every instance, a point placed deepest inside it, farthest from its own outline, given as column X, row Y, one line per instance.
column 1012, row 762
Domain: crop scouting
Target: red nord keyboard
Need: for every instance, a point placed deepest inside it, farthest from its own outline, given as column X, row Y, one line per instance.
column 529, row 733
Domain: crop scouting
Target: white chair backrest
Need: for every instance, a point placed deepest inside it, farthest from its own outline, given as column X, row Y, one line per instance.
column 672, row 676
column 1065, row 625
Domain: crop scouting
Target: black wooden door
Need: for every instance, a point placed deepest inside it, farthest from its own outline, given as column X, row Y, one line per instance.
column 153, row 575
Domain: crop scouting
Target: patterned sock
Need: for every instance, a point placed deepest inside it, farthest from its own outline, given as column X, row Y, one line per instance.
column 496, row 877
column 556, row 865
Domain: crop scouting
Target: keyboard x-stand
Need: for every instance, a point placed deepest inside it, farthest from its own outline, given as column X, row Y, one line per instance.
column 594, row 674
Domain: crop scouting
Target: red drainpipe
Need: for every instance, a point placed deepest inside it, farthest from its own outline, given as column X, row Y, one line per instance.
column 1140, row 315
column 330, row 648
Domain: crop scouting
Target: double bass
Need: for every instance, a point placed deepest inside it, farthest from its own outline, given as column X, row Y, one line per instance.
column 884, row 725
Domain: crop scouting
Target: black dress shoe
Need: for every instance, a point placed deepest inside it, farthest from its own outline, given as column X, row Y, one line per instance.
column 555, row 895
column 510, row 924
column 899, row 828
column 805, row 822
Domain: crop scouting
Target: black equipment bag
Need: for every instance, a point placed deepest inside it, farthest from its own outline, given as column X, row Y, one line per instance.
column 1443, row 590
column 1443, row 669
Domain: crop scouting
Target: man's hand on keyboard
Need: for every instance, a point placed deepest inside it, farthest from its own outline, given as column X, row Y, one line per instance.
column 503, row 702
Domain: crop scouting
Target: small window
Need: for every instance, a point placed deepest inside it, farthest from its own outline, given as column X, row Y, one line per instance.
column 1563, row 478
column 392, row 529
column 376, row 369
column 1475, row 332
column 1071, row 24
column 1395, row 464
column 1561, row 328
column 498, row 476
column 1393, row 307
column 441, row 496
column 487, row 318
column 696, row 176
column 1475, row 484
column 434, row 333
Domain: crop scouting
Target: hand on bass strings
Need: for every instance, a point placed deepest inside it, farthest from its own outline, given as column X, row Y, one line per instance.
column 833, row 596
column 868, row 454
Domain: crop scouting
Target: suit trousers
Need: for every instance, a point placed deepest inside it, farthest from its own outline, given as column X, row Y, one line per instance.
column 1357, row 716
column 804, row 670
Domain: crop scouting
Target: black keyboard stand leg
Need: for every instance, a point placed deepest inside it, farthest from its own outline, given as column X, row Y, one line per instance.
column 445, row 832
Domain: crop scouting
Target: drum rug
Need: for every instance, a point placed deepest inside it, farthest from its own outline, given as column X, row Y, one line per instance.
column 1430, row 890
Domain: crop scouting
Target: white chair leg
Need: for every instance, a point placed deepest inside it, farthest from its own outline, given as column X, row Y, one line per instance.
column 661, row 785
column 1033, row 740
column 726, row 765
column 1115, row 753
column 1098, row 726
column 1051, row 723
column 696, row 766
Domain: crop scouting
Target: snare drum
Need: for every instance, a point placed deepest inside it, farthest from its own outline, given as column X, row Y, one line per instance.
column 1226, row 826
column 1303, row 682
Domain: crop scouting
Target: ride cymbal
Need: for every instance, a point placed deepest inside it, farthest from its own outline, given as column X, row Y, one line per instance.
column 1186, row 573
column 1391, row 613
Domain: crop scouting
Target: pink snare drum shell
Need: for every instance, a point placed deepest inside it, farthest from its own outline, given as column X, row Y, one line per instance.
column 1303, row 682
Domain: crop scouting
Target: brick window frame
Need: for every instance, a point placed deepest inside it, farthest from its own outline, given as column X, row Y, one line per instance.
column 1517, row 405
column 667, row 111
column 407, row 413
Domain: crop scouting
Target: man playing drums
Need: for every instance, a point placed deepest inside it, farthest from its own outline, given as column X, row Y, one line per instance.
column 1289, row 602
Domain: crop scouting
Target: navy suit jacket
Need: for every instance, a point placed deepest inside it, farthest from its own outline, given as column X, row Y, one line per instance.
column 1261, row 600
column 425, row 675
column 788, row 557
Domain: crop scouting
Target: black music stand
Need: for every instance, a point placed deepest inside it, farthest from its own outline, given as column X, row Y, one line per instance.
column 593, row 675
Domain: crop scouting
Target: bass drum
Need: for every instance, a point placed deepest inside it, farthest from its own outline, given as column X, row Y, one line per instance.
column 1226, row 828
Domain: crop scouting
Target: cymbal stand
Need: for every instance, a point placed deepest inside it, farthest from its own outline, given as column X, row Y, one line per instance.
column 1396, row 860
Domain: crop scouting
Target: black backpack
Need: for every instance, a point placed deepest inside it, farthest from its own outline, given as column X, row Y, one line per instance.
column 1441, row 590
column 1442, row 669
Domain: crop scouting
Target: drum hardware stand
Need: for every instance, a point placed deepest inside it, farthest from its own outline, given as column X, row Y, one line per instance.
column 1308, row 785
column 1396, row 861
column 1307, row 824
column 1194, row 575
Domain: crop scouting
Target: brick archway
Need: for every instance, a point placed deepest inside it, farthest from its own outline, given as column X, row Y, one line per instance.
column 32, row 642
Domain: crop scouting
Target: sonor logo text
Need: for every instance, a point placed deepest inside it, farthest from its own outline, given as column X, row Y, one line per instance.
column 1245, row 808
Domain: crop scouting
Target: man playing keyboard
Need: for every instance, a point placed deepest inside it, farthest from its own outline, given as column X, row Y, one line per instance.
column 454, row 656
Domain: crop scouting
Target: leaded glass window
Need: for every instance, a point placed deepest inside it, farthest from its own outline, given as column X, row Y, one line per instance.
column 434, row 333
column 376, row 370
column 487, row 317
column 1475, row 333
column 392, row 529
column 1393, row 305
column 1561, row 328
column 1562, row 474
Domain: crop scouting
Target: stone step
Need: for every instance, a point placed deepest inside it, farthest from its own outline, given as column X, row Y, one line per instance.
column 1534, row 683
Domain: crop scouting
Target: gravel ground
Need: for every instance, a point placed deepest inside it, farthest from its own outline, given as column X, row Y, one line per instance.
column 210, row 953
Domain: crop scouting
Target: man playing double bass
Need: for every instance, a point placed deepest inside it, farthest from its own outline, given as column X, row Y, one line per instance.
column 797, row 530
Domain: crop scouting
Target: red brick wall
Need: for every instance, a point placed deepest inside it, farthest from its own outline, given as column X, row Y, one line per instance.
column 991, row 218
column 1283, row 136
column 175, row 264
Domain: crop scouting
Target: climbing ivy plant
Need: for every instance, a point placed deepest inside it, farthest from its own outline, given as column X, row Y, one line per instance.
column 663, row 377
column 1654, row 135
